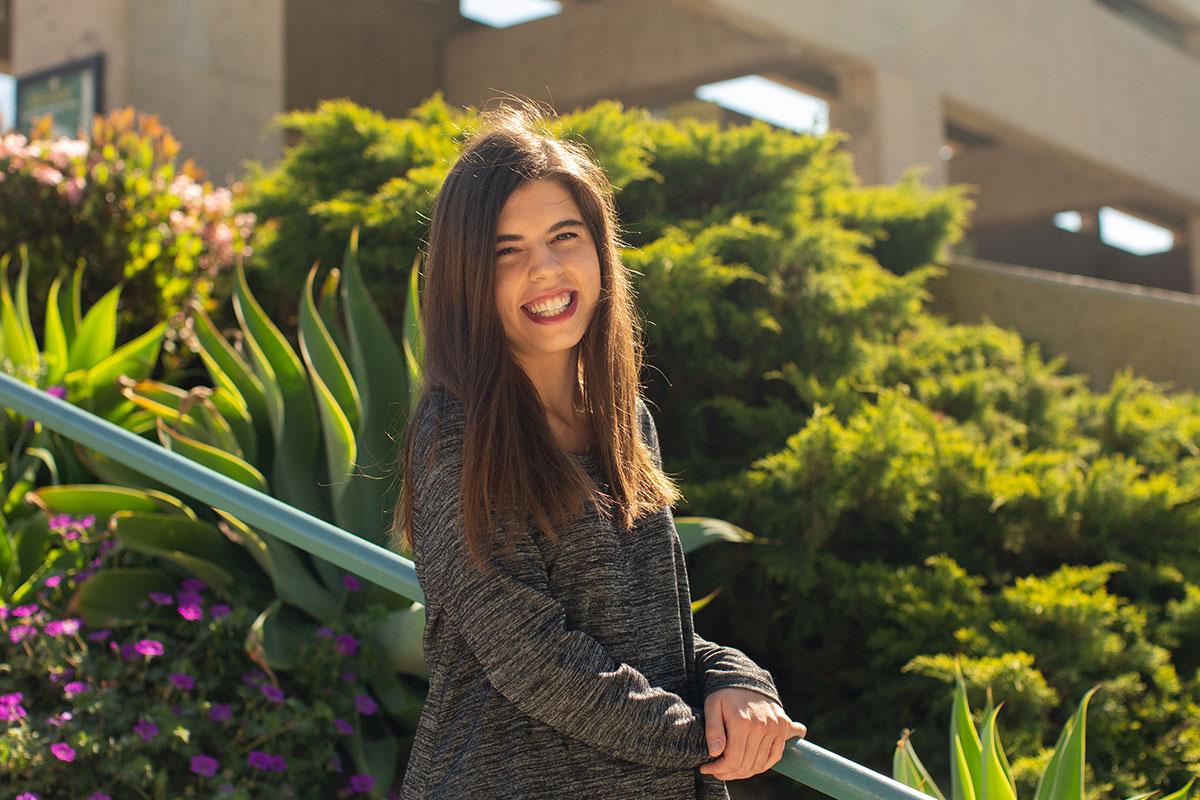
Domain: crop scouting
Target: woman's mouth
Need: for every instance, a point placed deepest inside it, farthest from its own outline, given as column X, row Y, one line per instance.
column 551, row 316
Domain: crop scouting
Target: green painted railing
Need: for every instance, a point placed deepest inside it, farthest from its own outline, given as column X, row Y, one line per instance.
column 802, row 761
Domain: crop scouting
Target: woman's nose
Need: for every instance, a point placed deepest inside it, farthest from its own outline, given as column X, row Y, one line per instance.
column 545, row 260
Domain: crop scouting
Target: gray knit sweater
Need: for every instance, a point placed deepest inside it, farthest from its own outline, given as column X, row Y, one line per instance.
column 574, row 670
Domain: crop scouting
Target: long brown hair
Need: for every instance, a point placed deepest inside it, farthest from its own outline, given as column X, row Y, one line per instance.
column 512, row 465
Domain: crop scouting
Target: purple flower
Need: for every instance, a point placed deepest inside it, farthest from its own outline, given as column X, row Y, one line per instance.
column 219, row 611
column 162, row 598
column 204, row 765
column 272, row 692
column 19, row 633
column 365, row 704
column 63, row 751
column 343, row 726
column 59, row 674
column 278, row 764
column 351, row 583
column 191, row 612
column 362, row 783
column 127, row 651
column 259, row 760
column 220, row 712
column 99, row 796
column 194, row 585
column 149, row 647
column 3, row 611
column 53, row 581
column 100, row 635
column 349, row 677
column 325, row 632
column 183, row 680
column 346, row 645
column 145, row 729
column 253, row 678
column 25, row 611
column 28, row 796
column 58, row 391
column 190, row 598
column 75, row 688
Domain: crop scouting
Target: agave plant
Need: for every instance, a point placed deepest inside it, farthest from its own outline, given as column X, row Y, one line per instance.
column 979, row 769
column 80, row 363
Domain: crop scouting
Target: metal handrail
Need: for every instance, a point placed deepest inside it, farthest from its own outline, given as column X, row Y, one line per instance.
column 802, row 761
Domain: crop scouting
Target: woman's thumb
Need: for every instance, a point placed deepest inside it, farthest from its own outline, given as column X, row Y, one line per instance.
column 714, row 730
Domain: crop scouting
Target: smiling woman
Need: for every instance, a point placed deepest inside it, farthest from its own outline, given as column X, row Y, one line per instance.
column 559, row 641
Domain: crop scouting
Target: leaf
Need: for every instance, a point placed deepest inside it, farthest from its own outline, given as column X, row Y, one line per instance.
column 135, row 359
column 227, row 464
column 55, row 339
column 229, row 371
column 118, row 596
column 1063, row 778
column 996, row 784
column 279, row 635
column 97, row 333
column 284, row 564
column 103, row 500
column 399, row 637
column 414, row 334
column 908, row 769
column 695, row 532
column 294, row 475
column 196, row 546
column 965, row 747
column 339, row 404
column 1181, row 794
column 18, row 344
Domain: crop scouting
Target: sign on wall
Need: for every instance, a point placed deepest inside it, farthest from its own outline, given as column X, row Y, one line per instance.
column 71, row 93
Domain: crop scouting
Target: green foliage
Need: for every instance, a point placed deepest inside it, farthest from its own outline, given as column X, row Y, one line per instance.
column 118, row 205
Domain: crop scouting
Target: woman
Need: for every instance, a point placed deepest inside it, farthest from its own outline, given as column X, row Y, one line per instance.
column 559, row 638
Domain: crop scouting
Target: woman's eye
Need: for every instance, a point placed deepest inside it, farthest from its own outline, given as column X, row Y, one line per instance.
column 568, row 233
column 503, row 252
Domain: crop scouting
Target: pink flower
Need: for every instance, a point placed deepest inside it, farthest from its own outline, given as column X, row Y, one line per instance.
column 149, row 647
column 63, row 751
column 10, row 707
column 347, row 645
column 190, row 612
column 19, row 633
column 53, row 581
column 25, row 611
column 75, row 688
column 28, row 796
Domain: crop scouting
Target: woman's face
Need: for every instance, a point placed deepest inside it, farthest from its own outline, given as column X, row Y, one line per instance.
column 547, row 274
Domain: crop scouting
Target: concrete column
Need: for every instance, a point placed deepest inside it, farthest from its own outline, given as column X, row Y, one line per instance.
column 893, row 123
column 1193, row 246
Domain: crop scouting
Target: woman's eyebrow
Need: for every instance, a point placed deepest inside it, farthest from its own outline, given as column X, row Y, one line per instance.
column 513, row 237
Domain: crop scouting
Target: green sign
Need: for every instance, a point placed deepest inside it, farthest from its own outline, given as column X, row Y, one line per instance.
column 70, row 93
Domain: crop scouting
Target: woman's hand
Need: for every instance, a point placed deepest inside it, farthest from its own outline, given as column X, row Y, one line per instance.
column 748, row 730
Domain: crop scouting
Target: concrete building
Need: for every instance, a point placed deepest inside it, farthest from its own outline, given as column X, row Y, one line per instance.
column 1049, row 108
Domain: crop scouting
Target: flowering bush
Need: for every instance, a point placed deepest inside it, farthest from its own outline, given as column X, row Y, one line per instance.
column 174, row 706
column 118, row 204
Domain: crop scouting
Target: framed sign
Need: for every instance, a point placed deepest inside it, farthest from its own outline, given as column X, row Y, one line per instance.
column 71, row 93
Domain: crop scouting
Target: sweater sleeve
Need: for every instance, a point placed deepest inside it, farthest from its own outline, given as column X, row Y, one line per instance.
column 516, row 629
column 717, row 666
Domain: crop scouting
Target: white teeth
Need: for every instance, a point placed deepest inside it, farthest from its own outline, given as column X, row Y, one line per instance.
column 552, row 307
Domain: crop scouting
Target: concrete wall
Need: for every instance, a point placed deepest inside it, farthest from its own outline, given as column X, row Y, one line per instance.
column 1099, row 325
column 211, row 71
